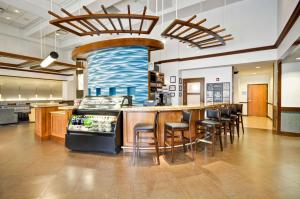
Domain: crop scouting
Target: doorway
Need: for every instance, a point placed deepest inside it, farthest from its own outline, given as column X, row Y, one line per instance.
column 257, row 100
column 193, row 91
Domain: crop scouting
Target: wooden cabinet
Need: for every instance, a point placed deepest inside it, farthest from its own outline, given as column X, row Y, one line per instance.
column 43, row 121
column 59, row 124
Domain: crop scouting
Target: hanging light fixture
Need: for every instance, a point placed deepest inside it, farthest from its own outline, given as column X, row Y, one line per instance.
column 50, row 59
column 53, row 55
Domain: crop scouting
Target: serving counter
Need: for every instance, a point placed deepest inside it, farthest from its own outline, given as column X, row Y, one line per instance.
column 134, row 115
column 43, row 119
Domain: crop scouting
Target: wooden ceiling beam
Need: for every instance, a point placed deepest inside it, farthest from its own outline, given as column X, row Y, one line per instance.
column 98, row 20
column 141, row 26
column 129, row 19
column 206, row 34
column 8, row 64
column 196, row 33
column 180, row 26
column 35, row 71
column 70, row 23
column 86, row 24
column 110, row 20
column 184, row 31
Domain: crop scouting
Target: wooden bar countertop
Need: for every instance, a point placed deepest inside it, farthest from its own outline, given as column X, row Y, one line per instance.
column 163, row 108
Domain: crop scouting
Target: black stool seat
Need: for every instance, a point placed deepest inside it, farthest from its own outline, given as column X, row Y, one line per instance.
column 225, row 119
column 178, row 126
column 143, row 127
column 210, row 123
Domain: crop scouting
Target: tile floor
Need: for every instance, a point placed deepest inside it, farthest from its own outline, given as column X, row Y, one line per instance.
column 258, row 165
column 258, row 122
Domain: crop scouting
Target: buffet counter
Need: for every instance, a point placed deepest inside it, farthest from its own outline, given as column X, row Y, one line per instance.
column 134, row 115
column 43, row 119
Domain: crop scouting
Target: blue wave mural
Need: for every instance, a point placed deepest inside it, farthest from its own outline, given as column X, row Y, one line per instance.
column 121, row 69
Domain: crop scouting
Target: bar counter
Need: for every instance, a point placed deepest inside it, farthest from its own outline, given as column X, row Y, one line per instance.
column 134, row 115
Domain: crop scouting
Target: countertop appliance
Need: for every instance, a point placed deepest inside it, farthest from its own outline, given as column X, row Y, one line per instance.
column 97, row 124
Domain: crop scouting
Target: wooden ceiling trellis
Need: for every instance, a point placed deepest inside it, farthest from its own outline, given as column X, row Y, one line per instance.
column 195, row 34
column 94, row 23
column 32, row 64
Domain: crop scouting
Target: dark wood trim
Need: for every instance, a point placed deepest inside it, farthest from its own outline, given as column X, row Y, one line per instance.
column 32, row 78
column 293, row 18
column 217, row 54
column 82, row 51
column 290, row 134
column 184, row 89
column 243, row 102
column 288, row 26
column 269, row 103
column 279, row 74
column 34, row 71
column 290, row 109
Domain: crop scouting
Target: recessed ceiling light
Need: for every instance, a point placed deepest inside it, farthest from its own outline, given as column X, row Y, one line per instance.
column 8, row 18
column 253, row 73
column 257, row 67
column 57, row 34
column 17, row 11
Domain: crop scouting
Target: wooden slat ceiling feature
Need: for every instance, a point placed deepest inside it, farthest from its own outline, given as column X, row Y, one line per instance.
column 196, row 34
column 32, row 64
column 91, row 23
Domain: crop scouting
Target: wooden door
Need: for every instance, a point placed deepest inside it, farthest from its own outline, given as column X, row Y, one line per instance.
column 193, row 91
column 257, row 100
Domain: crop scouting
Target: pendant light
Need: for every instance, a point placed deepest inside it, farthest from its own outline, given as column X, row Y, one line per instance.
column 50, row 59
column 53, row 55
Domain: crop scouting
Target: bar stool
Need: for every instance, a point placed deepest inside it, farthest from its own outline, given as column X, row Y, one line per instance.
column 234, row 117
column 239, row 109
column 143, row 128
column 226, row 122
column 171, row 128
column 213, row 128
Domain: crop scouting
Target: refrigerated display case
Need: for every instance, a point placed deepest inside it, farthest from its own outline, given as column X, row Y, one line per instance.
column 97, row 124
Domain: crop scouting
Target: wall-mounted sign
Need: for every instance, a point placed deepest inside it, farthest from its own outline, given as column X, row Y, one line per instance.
column 218, row 92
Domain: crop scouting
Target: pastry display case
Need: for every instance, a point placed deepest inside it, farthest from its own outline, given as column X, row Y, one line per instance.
column 96, row 125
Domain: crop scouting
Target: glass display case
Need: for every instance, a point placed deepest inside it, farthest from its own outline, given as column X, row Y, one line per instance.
column 96, row 125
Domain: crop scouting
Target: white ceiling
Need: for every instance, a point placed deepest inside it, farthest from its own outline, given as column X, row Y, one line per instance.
column 33, row 19
column 254, row 68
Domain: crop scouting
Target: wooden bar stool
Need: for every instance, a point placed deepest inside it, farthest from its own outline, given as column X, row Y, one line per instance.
column 171, row 128
column 226, row 122
column 213, row 128
column 239, row 109
column 235, row 122
column 143, row 128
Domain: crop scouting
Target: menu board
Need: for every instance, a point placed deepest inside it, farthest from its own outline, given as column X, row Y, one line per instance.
column 218, row 92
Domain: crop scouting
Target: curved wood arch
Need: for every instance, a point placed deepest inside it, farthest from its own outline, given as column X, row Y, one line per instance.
column 91, row 24
column 81, row 52
column 195, row 31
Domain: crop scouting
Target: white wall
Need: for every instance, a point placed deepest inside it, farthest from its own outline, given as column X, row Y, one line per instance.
column 241, row 82
column 285, row 9
column 210, row 74
column 251, row 22
column 290, row 91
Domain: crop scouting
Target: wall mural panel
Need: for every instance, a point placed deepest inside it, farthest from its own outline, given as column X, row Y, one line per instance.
column 123, row 70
